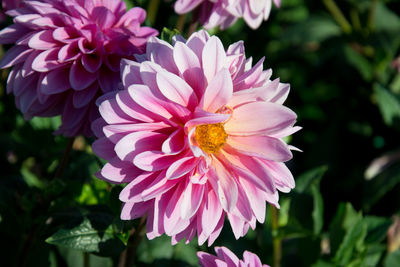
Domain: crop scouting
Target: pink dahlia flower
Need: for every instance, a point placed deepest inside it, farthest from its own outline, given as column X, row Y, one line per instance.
column 225, row 257
column 223, row 13
column 196, row 133
column 67, row 53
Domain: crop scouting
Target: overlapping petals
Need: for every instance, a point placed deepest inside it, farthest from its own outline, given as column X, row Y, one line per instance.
column 67, row 53
column 227, row 258
column 224, row 13
column 197, row 136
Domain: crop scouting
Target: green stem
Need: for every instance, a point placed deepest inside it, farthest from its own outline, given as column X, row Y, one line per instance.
column 128, row 258
column 152, row 10
column 86, row 259
column 181, row 23
column 355, row 19
column 371, row 15
column 276, row 240
column 337, row 15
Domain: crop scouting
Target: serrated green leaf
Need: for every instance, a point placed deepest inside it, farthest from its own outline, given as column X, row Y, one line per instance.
column 388, row 103
column 88, row 238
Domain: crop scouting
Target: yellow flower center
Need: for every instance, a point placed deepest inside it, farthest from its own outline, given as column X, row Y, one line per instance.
column 211, row 137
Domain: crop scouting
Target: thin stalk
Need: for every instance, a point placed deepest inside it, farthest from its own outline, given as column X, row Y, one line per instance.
column 192, row 28
column 371, row 15
column 64, row 159
column 181, row 23
column 129, row 257
column 355, row 19
column 276, row 240
column 86, row 259
column 152, row 10
column 337, row 15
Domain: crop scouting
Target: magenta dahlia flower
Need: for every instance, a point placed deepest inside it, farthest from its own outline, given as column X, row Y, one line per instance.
column 227, row 258
column 66, row 53
column 224, row 13
column 196, row 133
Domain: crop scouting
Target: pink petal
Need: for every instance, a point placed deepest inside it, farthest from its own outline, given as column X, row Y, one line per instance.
column 133, row 191
column 55, row 82
column 14, row 55
column 46, row 61
column 175, row 143
column 117, row 171
column 218, row 91
column 84, row 97
column 103, row 17
column 228, row 256
column 42, row 40
column 12, row 33
column 154, row 160
column 176, row 89
column 261, row 146
column 92, row 62
column 211, row 212
column 226, row 186
column 192, row 199
column 79, row 78
column 103, row 148
column 181, row 167
column 69, row 52
column 213, row 57
column 189, row 67
column 259, row 118
column 134, row 143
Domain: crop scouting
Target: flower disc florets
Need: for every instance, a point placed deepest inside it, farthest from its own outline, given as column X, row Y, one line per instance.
column 196, row 134
column 66, row 53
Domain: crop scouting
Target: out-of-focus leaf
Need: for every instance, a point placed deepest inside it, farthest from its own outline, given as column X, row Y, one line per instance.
column 158, row 248
column 39, row 123
column 304, row 181
column 377, row 228
column 393, row 259
column 75, row 258
column 359, row 62
column 386, row 19
column 376, row 188
column 345, row 218
column 129, row 4
column 388, row 103
column 314, row 29
column 373, row 255
column 167, row 34
column 321, row 263
column 318, row 211
column 353, row 240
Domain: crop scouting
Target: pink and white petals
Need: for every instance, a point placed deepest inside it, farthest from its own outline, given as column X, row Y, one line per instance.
column 225, row 257
column 67, row 54
column 197, row 140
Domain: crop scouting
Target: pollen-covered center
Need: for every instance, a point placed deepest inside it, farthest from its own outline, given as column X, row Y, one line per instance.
column 210, row 137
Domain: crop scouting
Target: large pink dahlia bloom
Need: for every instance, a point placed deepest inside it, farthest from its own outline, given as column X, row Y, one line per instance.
column 223, row 13
column 67, row 53
column 227, row 258
column 196, row 134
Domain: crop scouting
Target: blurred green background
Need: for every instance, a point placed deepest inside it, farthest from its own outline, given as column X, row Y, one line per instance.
column 345, row 87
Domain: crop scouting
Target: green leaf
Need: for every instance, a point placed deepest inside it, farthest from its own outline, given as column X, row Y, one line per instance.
column 377, row 228
column 304, row 181
column 318, row 211
column 359, row 62
column 388, row 103
column 393, row 259
column 167, row 34
column 90, row 235
column 353, row 240
column 315, row 29
column 385, row 19
column 375, row 189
